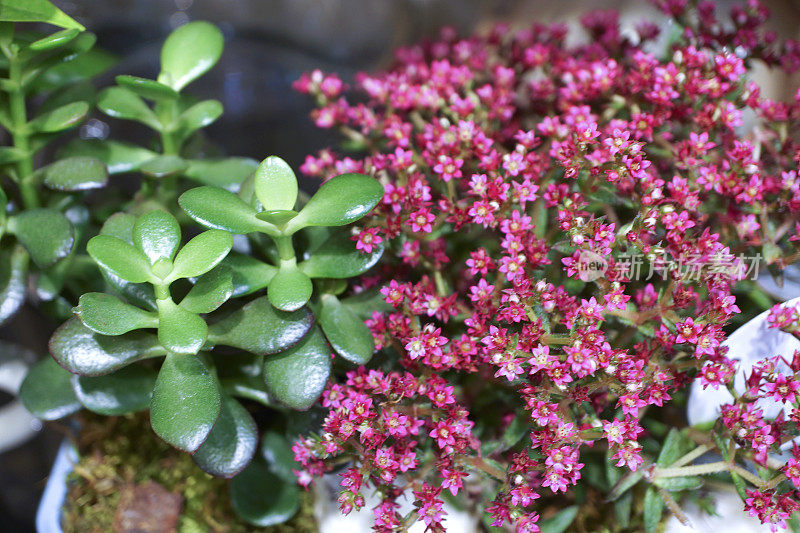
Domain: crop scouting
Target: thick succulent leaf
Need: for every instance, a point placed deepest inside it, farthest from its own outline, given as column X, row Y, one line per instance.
column 240, row 376
column 345, row 331
column 59, row 119
column 120, row 258
column 201, row 254
column 54, row 40
column 220, row 209
column 249, row 274
column 186, row 402
column 277, row 452
column 46, row 391
column 157, row 234
column 163, row 166
column 275, row 184
column 119, row 157
column 150, row 89
column 127, row 390
column 289, row 289
column 211, row 290
column 297, row 376
column 13, row 275
column 82, row 351
column 228, row 173
column 119, row 102
column 80, row 68
column 46, row 233
column 200, row 115
column 108, row 315
column 261, row 329
column 189, row 52
column 179, row 330
column 339, row 258
column 76, row 174
column 262, row 498
column 120, row 225
column 365, row 303
column 231, row 444
column 36, row 11
column 342, row 200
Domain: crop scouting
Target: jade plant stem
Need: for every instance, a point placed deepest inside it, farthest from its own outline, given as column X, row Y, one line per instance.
column 20, row 133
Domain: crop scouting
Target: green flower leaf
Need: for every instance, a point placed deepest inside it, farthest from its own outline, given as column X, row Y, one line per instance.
column 211, row 290
column 200, row 115
column 36, row 11
column 676, row 484
column 59, row 119
column 342, row 200
column 231, row 444
column 127, row 390
column 297, row 376
column 45, row 233
column 163, row 166
column 220, row 209
column 249, row 274
column 119, row 102
column 120, row 258
column 13, row 275
column 289, row 289
column 119, row 157
column 189, row 52
column 338, row 258
column 261, row 329
column 157, row 234
column 107, row 315
column 150, row 89
column 201, row 254
column 54, row 40
column 345, row 331
column 653, row 506
column 262, row 498
column 672, row 448
column 46, row 391
column 180, row 331
column 76, row 174
column 82, row 351
column 276, row 185
column 228, row 173
column 186, row 402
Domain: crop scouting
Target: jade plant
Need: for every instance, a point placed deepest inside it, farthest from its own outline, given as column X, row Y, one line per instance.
column 211, row 307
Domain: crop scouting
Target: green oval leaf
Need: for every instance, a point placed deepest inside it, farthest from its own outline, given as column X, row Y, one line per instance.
column 228, row 173
column 249, row 274
column 346, row 332
column 276, row 185
column 342, row 200
column 186, row 402
column 211, row 290
column 201, row 254
column 13, row 275
column 289, row 289
column 150, row 89
column 200, row 115
column 45, row 233
column 262, row 498
column 297, row 376
column 120, row 258
column 59, row 119
column 119, row 102
column 36, row 11
column 54, row 40
column 127, row 390
column 277, row 452
column 220, row 209
column 119, row 157
column 189, row 52
column 107, row 315
column 163, row 166
column 231, row 444
column 82, row 351
column 261, row 329
column 179, row 330
column 76, row 174
column 47, row 393
column 157, row 234
column 338, row 258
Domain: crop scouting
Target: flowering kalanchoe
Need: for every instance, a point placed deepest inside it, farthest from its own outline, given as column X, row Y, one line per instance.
column 566, row 230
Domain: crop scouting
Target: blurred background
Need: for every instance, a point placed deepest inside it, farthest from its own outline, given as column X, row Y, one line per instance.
column 269, row 43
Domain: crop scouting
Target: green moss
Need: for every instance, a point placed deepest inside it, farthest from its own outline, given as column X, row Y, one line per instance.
column 115, row 451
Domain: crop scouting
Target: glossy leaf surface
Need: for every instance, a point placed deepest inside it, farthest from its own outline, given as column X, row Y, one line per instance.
column 211, row 290
column 275, row 184
column 119, row 102
column 45, row 233
column 289, row 289
column 108, row 315
column 150, row 89
column 76, row 174
column 345, row 331
column 120, row 258
column 339, row 258
column 262, row 498
column 59, row 119
column 127, row 390
column 179, row 330
column 220, row 209
column 36, row 11
column 157, row 234
column 47, row 393
column 189, row 52
column 249, row 274
column 201, row 254
column 228, row 173
column 232, row 442
column 342, row 200
column 163, row 166
column 297, row 376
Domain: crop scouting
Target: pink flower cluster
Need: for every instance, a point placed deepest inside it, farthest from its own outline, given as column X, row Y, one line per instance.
column 507, row 158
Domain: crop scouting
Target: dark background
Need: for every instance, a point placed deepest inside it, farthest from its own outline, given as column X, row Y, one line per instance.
column 269, row 43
